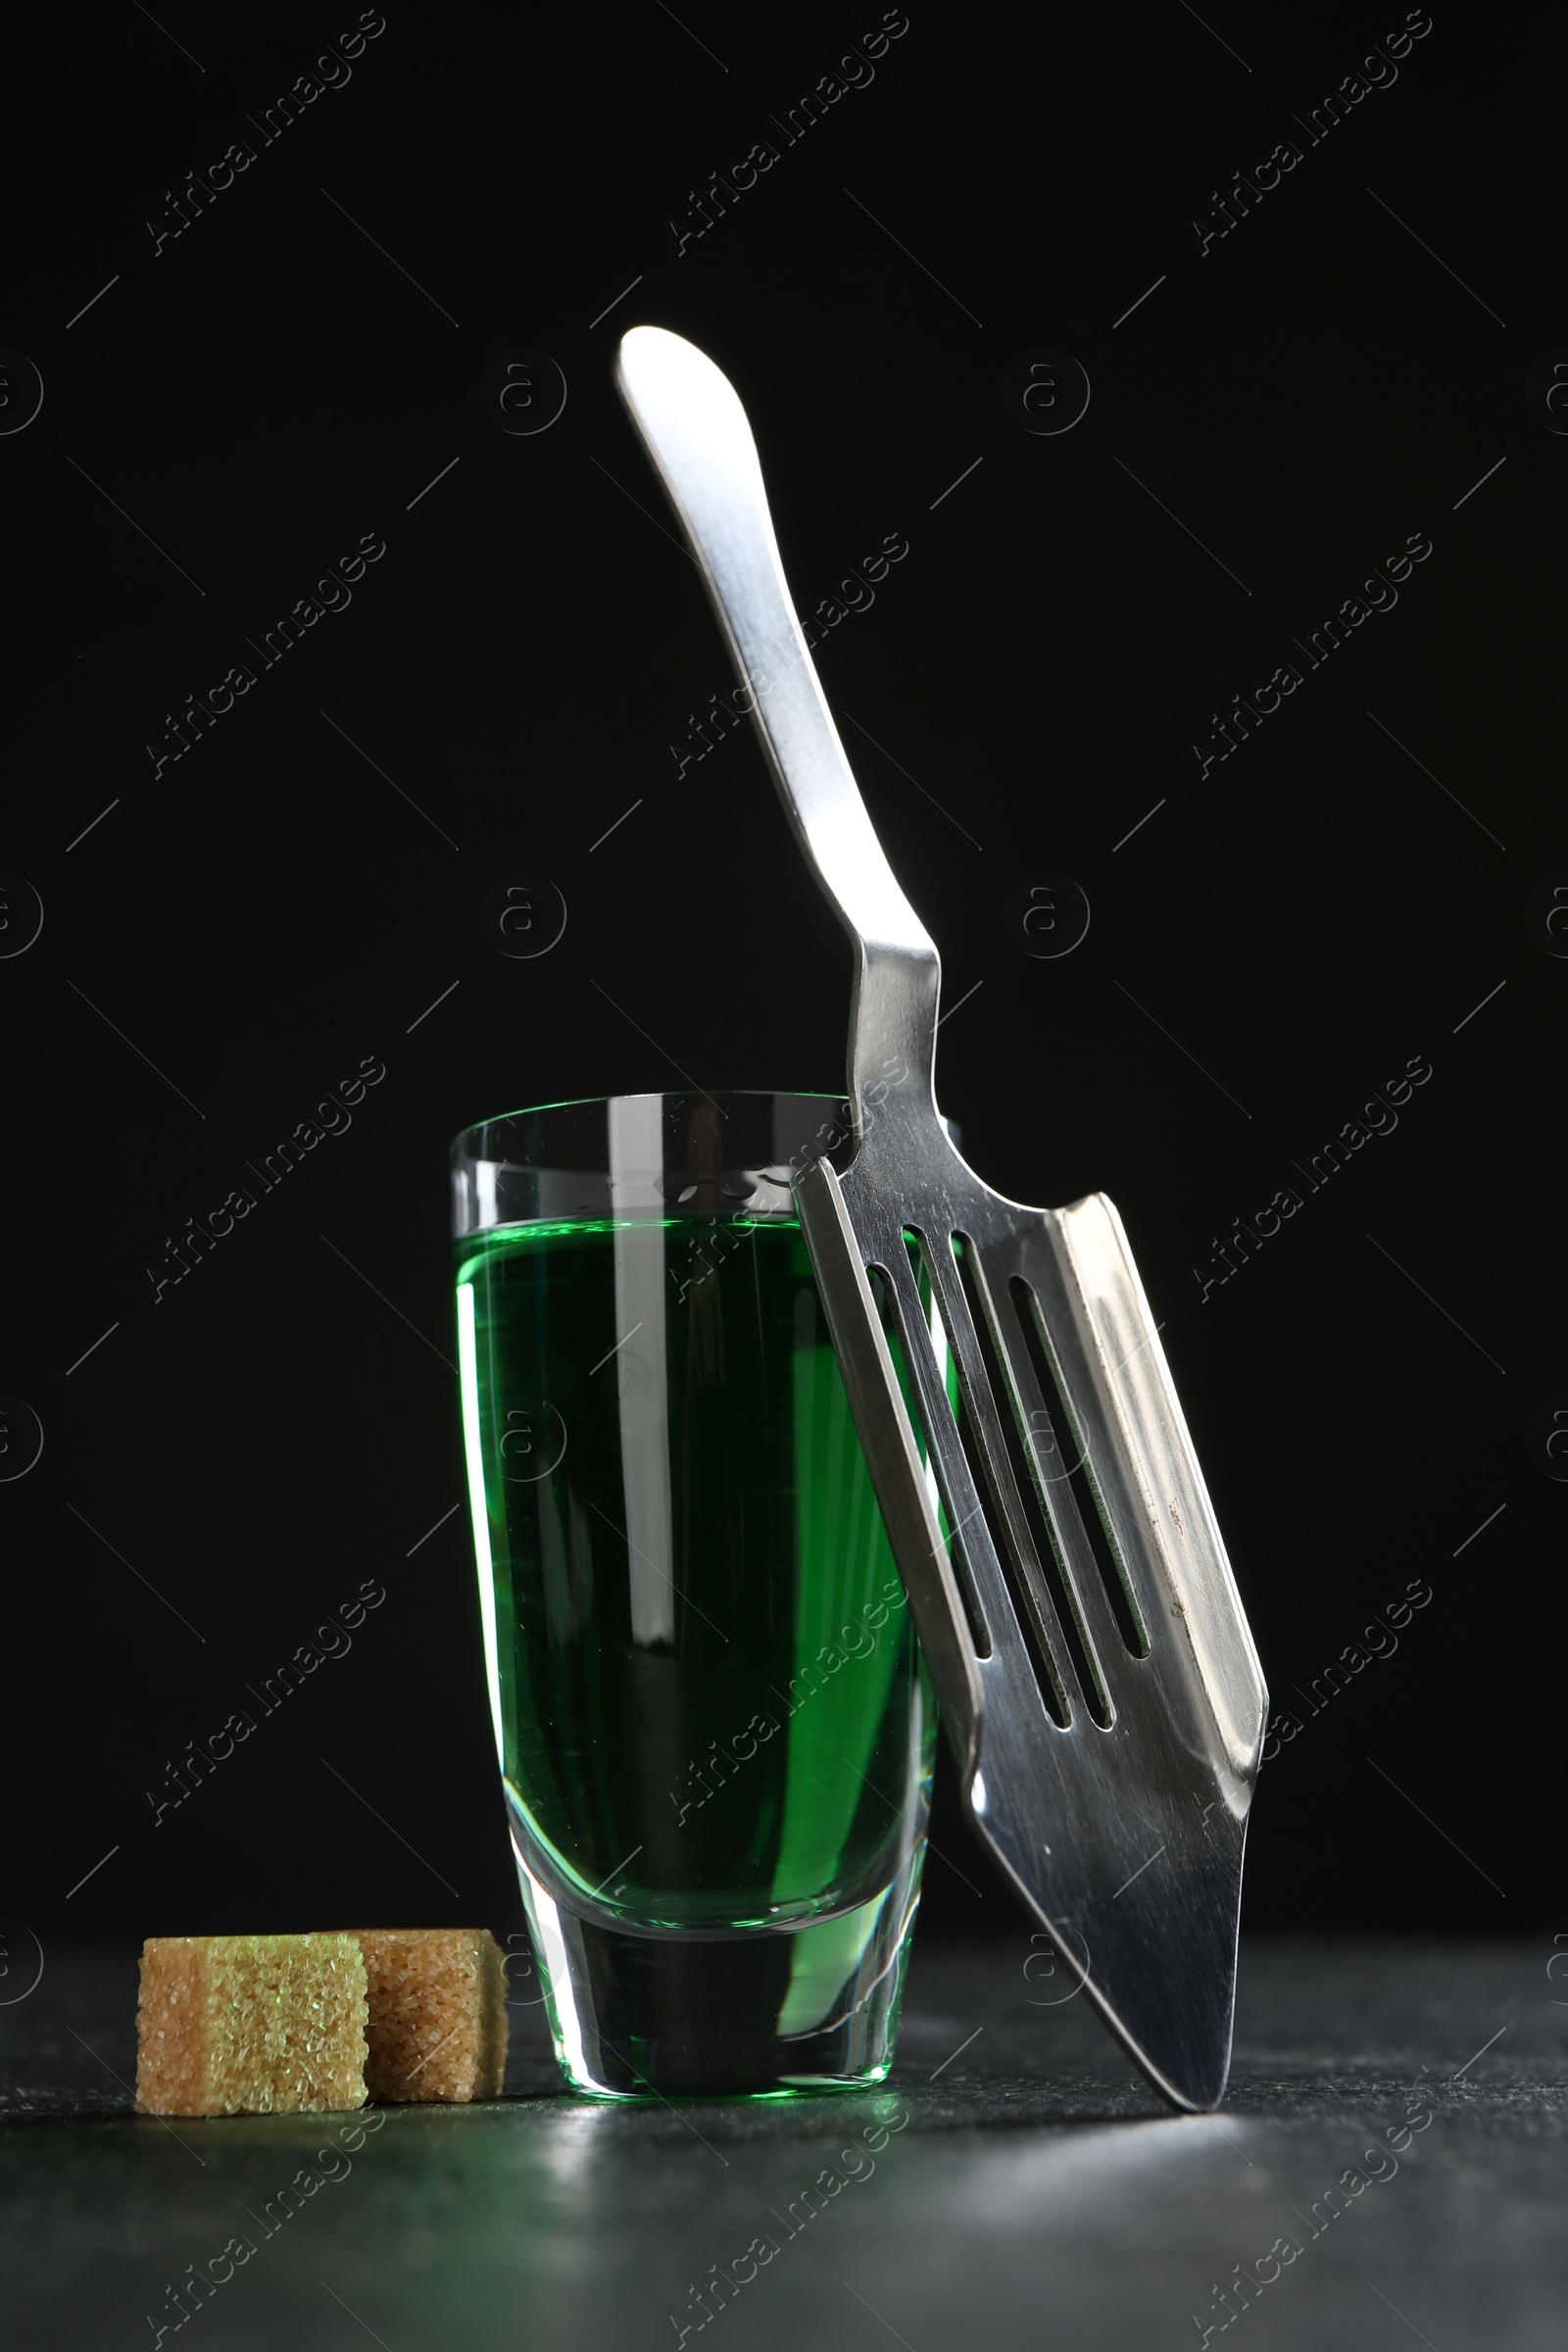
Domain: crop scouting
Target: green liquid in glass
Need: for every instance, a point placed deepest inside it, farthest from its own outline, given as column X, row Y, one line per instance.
column 708, row 1686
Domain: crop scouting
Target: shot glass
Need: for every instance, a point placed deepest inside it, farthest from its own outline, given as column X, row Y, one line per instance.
column 715, row 1727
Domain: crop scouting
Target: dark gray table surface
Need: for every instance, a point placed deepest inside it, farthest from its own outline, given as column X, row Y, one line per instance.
column 1012, row 2185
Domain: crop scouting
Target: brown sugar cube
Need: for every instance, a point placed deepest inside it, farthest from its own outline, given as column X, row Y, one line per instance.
column 250, row 2025
column 439, row 2013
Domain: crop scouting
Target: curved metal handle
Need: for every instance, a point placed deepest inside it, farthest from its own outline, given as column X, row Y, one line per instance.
column 691, row 418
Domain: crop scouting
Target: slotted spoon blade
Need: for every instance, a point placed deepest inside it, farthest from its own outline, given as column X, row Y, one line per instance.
column 1061, row 1555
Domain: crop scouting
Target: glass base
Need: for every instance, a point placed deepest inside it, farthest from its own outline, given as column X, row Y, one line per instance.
column 761, row 2011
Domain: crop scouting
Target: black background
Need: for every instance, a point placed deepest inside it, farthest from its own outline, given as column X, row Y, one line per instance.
column 232, row 1461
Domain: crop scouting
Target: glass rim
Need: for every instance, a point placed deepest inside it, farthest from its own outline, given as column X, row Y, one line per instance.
column 666, row 1154
column 651, row 1094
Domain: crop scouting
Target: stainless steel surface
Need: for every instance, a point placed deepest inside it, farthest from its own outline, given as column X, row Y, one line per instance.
column 1085, row 1636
